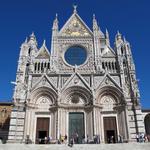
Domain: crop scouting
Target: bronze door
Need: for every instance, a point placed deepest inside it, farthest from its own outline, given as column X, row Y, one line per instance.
column 110, row 129
column 76, row 126
column 42, row 130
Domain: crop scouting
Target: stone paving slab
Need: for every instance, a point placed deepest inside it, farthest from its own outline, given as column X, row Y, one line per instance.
column 128, row 146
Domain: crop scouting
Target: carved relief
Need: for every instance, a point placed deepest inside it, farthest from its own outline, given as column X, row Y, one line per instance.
column 107, row 103
column 43, row 102
column 75, row 28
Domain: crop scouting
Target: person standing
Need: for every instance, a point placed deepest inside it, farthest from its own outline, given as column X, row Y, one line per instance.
column 87, row 139
column 137, row 137
column 65, row 139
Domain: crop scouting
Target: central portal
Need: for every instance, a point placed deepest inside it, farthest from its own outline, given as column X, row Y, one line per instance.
column 76, row 126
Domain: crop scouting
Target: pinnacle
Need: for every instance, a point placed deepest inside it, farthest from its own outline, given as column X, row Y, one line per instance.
column 75, row 9
column 93, row 16
column 44, row 42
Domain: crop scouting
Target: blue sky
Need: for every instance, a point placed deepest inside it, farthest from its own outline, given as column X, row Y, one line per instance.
column 18, row 18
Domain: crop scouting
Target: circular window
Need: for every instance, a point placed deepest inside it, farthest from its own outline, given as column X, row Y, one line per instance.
column 75, row 55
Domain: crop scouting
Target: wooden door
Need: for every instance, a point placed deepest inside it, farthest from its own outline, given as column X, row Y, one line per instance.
column 42, row 130
column 110, row 129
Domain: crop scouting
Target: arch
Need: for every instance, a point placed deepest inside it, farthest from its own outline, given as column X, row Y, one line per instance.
column 112, row 91
column 77, row 95
column 113, row 67
column 42, row 67
column 108, row 102
column 147, row 124
column 46, row 93
column 35, row 66
column 103, row 66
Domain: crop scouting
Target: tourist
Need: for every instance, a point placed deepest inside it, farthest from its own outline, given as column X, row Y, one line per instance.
column 120, row 139
column 45, row 140
column 71, row 142
column 141, row 137
column 148, row 137
column 27, row 139
column 94, row 138
column 137, row 137
column 87, row 139
column 112, row 139
column 76, row 138
column 83, row 139
column 98, row 139
column 65, row 139
column 49, row 139
column 145, row 138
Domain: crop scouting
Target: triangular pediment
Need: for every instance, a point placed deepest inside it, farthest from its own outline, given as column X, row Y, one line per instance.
column 75, row 27
column 108, row 52
column 44, row 81
column 43, row 53
column 76, row 80
column 108, row 81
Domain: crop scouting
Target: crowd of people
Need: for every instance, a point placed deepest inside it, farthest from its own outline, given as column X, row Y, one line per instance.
column 141, row 137
column 75, row 139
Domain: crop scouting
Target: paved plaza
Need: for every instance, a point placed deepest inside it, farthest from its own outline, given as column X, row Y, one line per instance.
column 129, row 146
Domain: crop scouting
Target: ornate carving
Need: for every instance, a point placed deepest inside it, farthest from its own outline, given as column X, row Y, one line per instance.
column 75, row 28
column 76, row 80
column 107, row 103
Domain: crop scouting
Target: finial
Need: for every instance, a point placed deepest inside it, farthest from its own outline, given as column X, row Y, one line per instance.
column 75, row 9
column 56, row 16
column 124, row 39
column 107, row 34
column 44, row 42
column 93, row 16
column 32, row 34
column 26, row 40
column 118, row 33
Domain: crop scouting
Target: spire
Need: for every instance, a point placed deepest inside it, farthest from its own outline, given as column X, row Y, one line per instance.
column 124, row 39
column 118, row 36
column 107, row 38
column 32, row 36
column 55, row 23
column 95, row 25
column 107, row 34
column 26, row 40
column 118, row 39
column 74, row 9
column 44, row 43
column 32, row 39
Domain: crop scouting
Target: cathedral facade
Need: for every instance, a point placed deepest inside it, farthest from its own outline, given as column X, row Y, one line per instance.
column 81, row 86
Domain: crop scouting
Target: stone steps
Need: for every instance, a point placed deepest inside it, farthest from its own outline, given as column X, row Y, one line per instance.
column 128, row 146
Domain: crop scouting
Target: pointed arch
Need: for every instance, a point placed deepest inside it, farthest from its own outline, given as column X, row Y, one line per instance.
column 112, row 91
column 45, row 92
column 85, row 97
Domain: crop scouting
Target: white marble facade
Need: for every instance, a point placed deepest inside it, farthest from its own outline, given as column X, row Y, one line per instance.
column 103, row 86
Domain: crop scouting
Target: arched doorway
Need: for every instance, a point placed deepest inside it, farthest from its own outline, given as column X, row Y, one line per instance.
column 110, row 120
column 76, row 126
column 78, row 101
column 39, row 117
column 112, row 114
column 147, row 124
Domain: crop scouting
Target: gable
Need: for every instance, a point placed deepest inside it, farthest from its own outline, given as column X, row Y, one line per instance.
column 108, row 52
column 75, row 27
column 43, row 53
column 108, row 81
column 44, row 81
column 76, row 80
